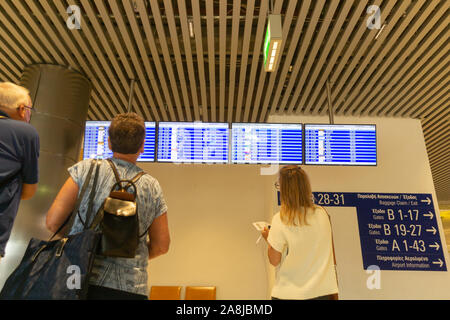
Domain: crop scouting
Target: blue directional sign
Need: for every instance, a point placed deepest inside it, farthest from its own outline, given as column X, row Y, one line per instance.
column 397, row 231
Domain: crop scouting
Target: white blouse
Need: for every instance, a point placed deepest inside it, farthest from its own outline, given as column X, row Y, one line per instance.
column 307, row 267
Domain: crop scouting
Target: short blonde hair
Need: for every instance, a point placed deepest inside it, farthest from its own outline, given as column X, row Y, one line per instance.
column 13, row 96
column 295, row 194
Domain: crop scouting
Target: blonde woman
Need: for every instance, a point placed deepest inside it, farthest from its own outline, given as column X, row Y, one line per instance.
column 302, row 231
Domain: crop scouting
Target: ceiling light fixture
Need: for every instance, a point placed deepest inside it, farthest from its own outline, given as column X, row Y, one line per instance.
column 272, row 42
column 379, row 32
column 191, row 29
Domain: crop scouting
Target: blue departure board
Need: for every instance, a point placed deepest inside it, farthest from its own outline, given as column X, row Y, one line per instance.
column 267, row 143
column 96, row 141
column 193, row 142
column 341, row 144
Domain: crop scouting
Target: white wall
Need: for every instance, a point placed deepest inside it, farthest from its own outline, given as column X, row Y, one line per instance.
column 211, row 211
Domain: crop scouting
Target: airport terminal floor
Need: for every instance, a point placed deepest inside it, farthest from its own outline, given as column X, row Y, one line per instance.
column 245, row 150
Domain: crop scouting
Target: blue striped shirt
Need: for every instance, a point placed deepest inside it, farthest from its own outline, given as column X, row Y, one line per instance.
column 123, row 274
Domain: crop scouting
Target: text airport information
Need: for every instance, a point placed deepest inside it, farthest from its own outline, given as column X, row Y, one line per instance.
column 397, row 231
column 96, row 141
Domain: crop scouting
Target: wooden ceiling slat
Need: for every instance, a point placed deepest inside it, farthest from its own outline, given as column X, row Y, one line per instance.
column 9, row 77
column 339, row 51
column 178, row 58
column 173, row 88
column 135, row 33
column 441, row 113
column 305, row 43
column 437, row 144
column 200, row 59
column 256, row 61
column 222, row 57
column 426, row 82
column 10, row 57
column 384, row 51
column 67, row 55
column 143, row 69
column 395, row 72
column 107, row 79
column 129, row 70
column 417, row 107
column 11, row 27
column 290, row 55
column 286, row 61
column 211, row 58
column 312, row 56
column 263, row 74
column 91, row 42
column 429, row 71
column 244, row 58
column 45, row 39
column 435, row 139
column 349, row 60
column 11, row 67
column 442, row 173
column 336, row 29
column 188, row 53
column 385, row 102
column 65, row 41
column 369, row 50
column 442, row 177
column 233, row 58
column 123, row 79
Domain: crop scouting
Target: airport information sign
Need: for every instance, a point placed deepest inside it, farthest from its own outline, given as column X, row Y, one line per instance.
column 397, row 231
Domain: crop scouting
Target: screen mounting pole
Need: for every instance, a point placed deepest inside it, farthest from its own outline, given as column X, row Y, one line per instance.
column 330, row 105
column 130, row 101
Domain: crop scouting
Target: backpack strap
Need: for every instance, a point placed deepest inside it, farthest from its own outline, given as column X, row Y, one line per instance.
column 91, row 195
column 135, row 179
column 118, row 180
column 114, row 169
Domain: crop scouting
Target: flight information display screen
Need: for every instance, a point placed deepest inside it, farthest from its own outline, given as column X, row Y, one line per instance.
column 341, row 145
column 96, row 141
column 193, row 142
column 267, row 143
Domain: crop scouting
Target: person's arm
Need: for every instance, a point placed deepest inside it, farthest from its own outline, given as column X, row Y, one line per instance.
column 62, row 206
column 274, row 255
column 28, row 191
column 30, row 165
column 159, row 237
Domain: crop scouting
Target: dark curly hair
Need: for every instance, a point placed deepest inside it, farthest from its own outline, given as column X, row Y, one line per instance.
column 127, row 133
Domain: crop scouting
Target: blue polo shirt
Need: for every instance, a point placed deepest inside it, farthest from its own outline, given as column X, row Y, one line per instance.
column 19, row 153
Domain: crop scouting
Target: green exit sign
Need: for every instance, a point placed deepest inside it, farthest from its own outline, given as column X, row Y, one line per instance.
column 272, row 42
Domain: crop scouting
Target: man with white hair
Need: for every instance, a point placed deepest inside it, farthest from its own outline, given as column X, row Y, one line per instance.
column 19, row 153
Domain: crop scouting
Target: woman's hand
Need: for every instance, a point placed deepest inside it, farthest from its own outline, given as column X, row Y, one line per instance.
column 265, row 233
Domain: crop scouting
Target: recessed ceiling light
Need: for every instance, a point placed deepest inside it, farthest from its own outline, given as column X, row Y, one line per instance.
column 191, row 28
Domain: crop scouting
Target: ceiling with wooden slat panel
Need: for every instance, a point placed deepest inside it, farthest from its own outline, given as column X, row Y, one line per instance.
column 217, row 74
